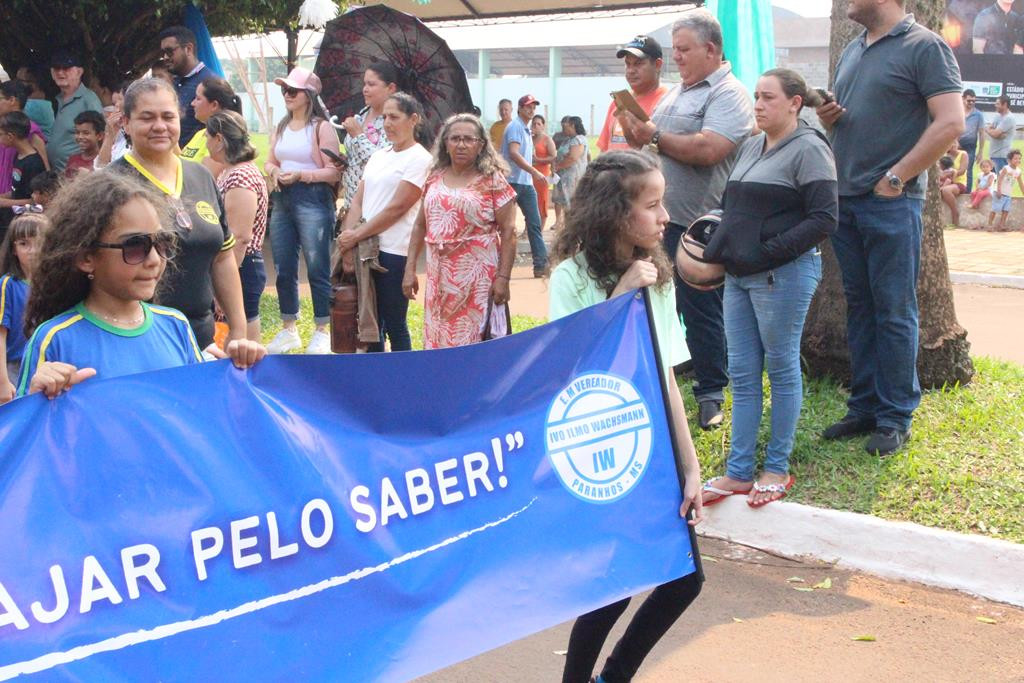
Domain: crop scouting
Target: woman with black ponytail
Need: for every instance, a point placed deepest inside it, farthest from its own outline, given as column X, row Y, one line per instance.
column 213, row 96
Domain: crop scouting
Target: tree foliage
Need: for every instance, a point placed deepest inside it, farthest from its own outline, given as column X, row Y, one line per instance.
column 118, row 38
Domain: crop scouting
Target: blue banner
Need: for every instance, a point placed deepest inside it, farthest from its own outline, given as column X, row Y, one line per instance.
column 370, row 517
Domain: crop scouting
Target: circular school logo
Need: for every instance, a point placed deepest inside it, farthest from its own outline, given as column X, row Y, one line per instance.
column 598, row 436
column 207, row 213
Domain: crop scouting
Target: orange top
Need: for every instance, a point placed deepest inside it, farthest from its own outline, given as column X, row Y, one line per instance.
column 611, row 134
column 540, row 149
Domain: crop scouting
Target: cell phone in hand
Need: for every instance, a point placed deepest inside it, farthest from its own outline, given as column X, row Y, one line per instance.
column 334, row 156
column 826, row 96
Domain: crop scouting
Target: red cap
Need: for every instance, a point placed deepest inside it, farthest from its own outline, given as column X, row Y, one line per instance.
column 528, row 99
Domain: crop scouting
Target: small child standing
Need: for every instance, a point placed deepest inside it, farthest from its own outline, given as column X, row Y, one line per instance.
column 89, row 130
column 98, row 266
column 985, row 183
column 17, row 260
column 1004, row 188
column 15, row 129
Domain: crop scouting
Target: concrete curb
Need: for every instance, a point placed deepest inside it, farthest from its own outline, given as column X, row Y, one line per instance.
column 979, row 565
column 987, row 279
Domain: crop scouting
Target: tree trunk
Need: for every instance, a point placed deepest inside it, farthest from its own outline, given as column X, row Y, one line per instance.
column 292, row 34
column 943, row 356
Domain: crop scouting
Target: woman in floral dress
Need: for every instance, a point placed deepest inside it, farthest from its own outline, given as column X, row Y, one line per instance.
column 365, row 131
column 571, row 161
column 467, row 222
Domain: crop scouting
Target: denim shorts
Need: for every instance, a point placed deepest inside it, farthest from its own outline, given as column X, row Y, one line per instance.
column 254, row 278
column 1001, row 204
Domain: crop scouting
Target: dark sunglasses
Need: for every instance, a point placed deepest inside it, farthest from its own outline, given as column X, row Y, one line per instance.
column 135, row 248
column 290, row 92
column 168, row 51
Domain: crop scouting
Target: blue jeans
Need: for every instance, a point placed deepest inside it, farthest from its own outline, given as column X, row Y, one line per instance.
column 526, row 198
column 972, row 152
column 392, row 305
column 998, row 163
column 764, row 320
column 254, row 279
column 303, row 218
column 705, row 332
column 878, row 245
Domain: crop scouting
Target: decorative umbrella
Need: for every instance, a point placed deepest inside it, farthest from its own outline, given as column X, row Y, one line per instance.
column 426, row 65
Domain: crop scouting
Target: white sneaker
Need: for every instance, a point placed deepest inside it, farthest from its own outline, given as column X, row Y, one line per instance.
column 284, row 341
column 320, row 343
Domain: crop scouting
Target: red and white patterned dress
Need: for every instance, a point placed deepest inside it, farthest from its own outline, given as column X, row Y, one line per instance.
column 462, row 241
column 248, row 176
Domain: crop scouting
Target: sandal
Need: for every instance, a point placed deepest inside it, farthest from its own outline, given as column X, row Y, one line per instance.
column 782, row 489
column 721, row 493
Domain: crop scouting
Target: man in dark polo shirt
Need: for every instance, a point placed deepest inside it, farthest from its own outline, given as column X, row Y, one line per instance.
column 897, row 109
column 178, row 49
column 697, row 127
column 997, row 30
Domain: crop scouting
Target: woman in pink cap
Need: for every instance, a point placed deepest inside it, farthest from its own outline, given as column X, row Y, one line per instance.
column 303, row 207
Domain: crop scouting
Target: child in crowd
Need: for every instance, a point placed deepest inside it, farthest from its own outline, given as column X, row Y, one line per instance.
column 15, row 130
column 98, row 266
column 946, row 171
column 17, row 259
column 89, row 129
column 611, row 244
column 1004, row 188
column 14, row 97
column 44, row 188
column 986, row 181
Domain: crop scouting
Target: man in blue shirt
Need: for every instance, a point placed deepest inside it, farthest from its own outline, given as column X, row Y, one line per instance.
column 972, row 141
column 517, row 148
column 178, row 49
column 74, row 98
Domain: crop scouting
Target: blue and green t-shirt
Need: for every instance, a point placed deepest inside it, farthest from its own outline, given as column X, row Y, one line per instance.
column 13, row 297
column 163, row 340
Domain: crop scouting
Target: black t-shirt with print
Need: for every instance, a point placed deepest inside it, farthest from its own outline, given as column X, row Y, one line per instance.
column 187, row 284
column 25, row 169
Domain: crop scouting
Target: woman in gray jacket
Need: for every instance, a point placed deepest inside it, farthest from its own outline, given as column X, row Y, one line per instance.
column 780, row 202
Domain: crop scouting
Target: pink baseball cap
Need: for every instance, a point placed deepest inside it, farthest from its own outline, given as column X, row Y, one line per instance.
column 301, row 79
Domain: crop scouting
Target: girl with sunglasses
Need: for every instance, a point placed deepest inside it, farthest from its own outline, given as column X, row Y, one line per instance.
column 206, row 264
column 302, row 219
column 98, row 266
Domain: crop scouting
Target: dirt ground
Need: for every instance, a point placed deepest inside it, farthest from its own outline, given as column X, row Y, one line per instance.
column 750, row 624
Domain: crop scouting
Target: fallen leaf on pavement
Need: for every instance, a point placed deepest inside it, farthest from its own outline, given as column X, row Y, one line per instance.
column 737, row 620
column 987, row 620
column 795, row 579
column 560, row 653
column 705, row 558
column 804, row 589
column 827, row 583
column 864, row 639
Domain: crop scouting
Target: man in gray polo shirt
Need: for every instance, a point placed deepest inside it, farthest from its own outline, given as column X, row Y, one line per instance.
column 73, row 98
column 1001, row 132
column 697, row 127
column 897, row 109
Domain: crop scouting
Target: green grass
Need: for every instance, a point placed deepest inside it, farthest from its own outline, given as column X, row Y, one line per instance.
column 963, row 470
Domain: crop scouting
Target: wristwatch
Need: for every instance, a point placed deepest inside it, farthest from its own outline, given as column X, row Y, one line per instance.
column 894, row 181
column 656, row 138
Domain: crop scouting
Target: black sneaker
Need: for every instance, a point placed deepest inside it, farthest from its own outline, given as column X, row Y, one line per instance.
column 851, row 425
column 886, row 441
column 541, row 272
column 710, row 414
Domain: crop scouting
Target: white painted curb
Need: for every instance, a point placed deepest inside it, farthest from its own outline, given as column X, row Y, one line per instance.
column 979, row 565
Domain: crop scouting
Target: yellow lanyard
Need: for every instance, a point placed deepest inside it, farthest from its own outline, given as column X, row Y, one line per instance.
column 178, row 179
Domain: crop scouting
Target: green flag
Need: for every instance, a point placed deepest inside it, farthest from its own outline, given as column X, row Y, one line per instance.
column 748, row 36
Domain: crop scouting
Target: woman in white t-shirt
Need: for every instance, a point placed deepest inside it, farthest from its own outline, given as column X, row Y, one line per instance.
column 388, row 199
column 303, row 208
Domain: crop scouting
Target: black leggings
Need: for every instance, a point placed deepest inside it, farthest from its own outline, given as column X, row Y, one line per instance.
column 659, row 611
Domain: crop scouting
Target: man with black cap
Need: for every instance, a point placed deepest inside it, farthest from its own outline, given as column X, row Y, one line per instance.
column 643, row 59
column 178, row 49
column 517, row 148
column 74, row 98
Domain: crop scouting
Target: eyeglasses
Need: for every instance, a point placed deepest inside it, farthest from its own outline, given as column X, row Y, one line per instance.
column 290, row 92
column 463, row 140
column 168, row 51
column 135, row 248
column 27, row 208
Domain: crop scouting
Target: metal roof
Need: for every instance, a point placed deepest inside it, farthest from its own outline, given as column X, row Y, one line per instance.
column 461, row 10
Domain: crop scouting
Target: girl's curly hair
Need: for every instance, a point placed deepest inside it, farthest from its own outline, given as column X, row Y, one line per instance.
column 82, row 211
column 599, row 212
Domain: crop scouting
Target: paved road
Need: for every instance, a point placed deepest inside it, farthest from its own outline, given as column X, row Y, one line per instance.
column 922, row 634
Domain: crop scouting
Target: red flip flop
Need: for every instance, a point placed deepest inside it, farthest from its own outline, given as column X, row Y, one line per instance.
column 721, row 493
column 772, row 488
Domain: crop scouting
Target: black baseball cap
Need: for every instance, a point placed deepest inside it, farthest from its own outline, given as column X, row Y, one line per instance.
column 642, row 47
column 64, row 59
